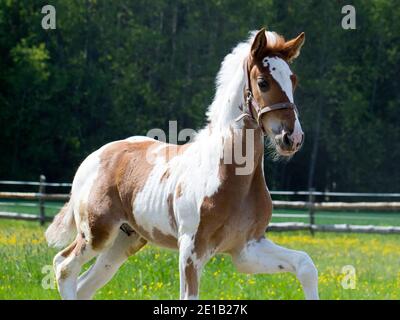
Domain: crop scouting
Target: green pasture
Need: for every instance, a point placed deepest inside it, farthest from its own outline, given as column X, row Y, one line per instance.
column 153, row 272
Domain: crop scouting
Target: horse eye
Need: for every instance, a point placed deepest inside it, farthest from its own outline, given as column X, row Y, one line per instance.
column 263, row 84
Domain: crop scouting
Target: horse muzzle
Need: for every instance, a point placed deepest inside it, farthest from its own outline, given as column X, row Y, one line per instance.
column 289, row 143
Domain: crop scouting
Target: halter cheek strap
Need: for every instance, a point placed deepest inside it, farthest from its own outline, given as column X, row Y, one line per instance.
column 251, row 104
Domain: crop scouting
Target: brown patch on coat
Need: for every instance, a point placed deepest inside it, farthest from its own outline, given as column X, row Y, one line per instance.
column 164, row 240
column 135, row 247
column 294, row 80
column 171, row 215
column 100, row 229
column 156, row 236
column 170, row 151
column 82, row 210
column 241, row 208
column 80, row 244
column 122, row 174
column 141, row 231
column 178, row 192
column 191, row 282
column 76, row 247
column 165, row 176
column 63, row 273
column 68, row 250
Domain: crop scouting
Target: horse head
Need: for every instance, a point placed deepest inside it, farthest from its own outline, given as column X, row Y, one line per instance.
column 270, row 87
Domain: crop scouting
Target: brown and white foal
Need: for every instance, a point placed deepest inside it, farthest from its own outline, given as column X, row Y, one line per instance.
column 195, row 198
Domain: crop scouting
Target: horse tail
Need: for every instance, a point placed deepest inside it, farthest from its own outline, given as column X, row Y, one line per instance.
column 63, row 228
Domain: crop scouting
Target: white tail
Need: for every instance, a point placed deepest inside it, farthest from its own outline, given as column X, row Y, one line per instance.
column 63, row 228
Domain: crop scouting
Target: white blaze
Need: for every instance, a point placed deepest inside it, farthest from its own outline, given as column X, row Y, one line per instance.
column 281, row 73
column 297, row 135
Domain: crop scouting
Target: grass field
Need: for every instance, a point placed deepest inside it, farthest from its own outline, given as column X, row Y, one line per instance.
column 153, row 272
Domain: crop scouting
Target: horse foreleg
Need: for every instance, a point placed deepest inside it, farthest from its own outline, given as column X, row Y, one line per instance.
column 190, row 268
column 263, row 256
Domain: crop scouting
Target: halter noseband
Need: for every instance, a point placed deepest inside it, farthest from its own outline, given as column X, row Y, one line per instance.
column 249, row 102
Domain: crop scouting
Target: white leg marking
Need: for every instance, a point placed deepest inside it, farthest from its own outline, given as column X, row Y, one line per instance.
column 106, row 265
column 264, row 256
column 67, row 271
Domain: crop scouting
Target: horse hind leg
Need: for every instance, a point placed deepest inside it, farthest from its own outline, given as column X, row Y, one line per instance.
column 67, row 265
column 263, row 256
column 68, row 262
column 108, row 263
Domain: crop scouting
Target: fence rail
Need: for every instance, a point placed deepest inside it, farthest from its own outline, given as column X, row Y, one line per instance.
column 311, row 205
column 297, row 226
column 34, row 196
column 23, row 216
column 327, row 206
column 35, row 183
column 336, row 194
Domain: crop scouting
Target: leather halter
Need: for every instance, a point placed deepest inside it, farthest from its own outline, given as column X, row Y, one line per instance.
column 251, row 104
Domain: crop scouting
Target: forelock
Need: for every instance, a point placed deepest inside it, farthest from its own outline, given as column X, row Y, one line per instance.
column 275, row 42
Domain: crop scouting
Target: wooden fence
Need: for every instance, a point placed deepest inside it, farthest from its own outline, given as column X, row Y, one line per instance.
column 311, row 206
column 41, row 197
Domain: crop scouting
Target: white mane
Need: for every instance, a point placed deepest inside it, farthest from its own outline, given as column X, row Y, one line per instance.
column 230, row 83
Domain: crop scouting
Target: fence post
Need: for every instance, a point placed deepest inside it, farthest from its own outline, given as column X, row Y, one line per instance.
column 311, row 209
column 42, row 190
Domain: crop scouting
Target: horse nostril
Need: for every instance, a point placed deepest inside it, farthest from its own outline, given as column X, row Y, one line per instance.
column 286, row 140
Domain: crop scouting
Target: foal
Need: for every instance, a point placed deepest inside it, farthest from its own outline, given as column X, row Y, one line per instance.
column 196, row 198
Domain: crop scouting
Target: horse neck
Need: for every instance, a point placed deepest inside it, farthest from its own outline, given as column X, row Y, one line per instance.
column 223, row 132
column 236, row 150
column 246, row 148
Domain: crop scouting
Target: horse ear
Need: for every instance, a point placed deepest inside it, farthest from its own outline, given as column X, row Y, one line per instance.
column 292, row 47
column 259, row 44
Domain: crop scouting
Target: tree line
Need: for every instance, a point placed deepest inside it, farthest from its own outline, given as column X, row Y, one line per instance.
column 113, row 69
